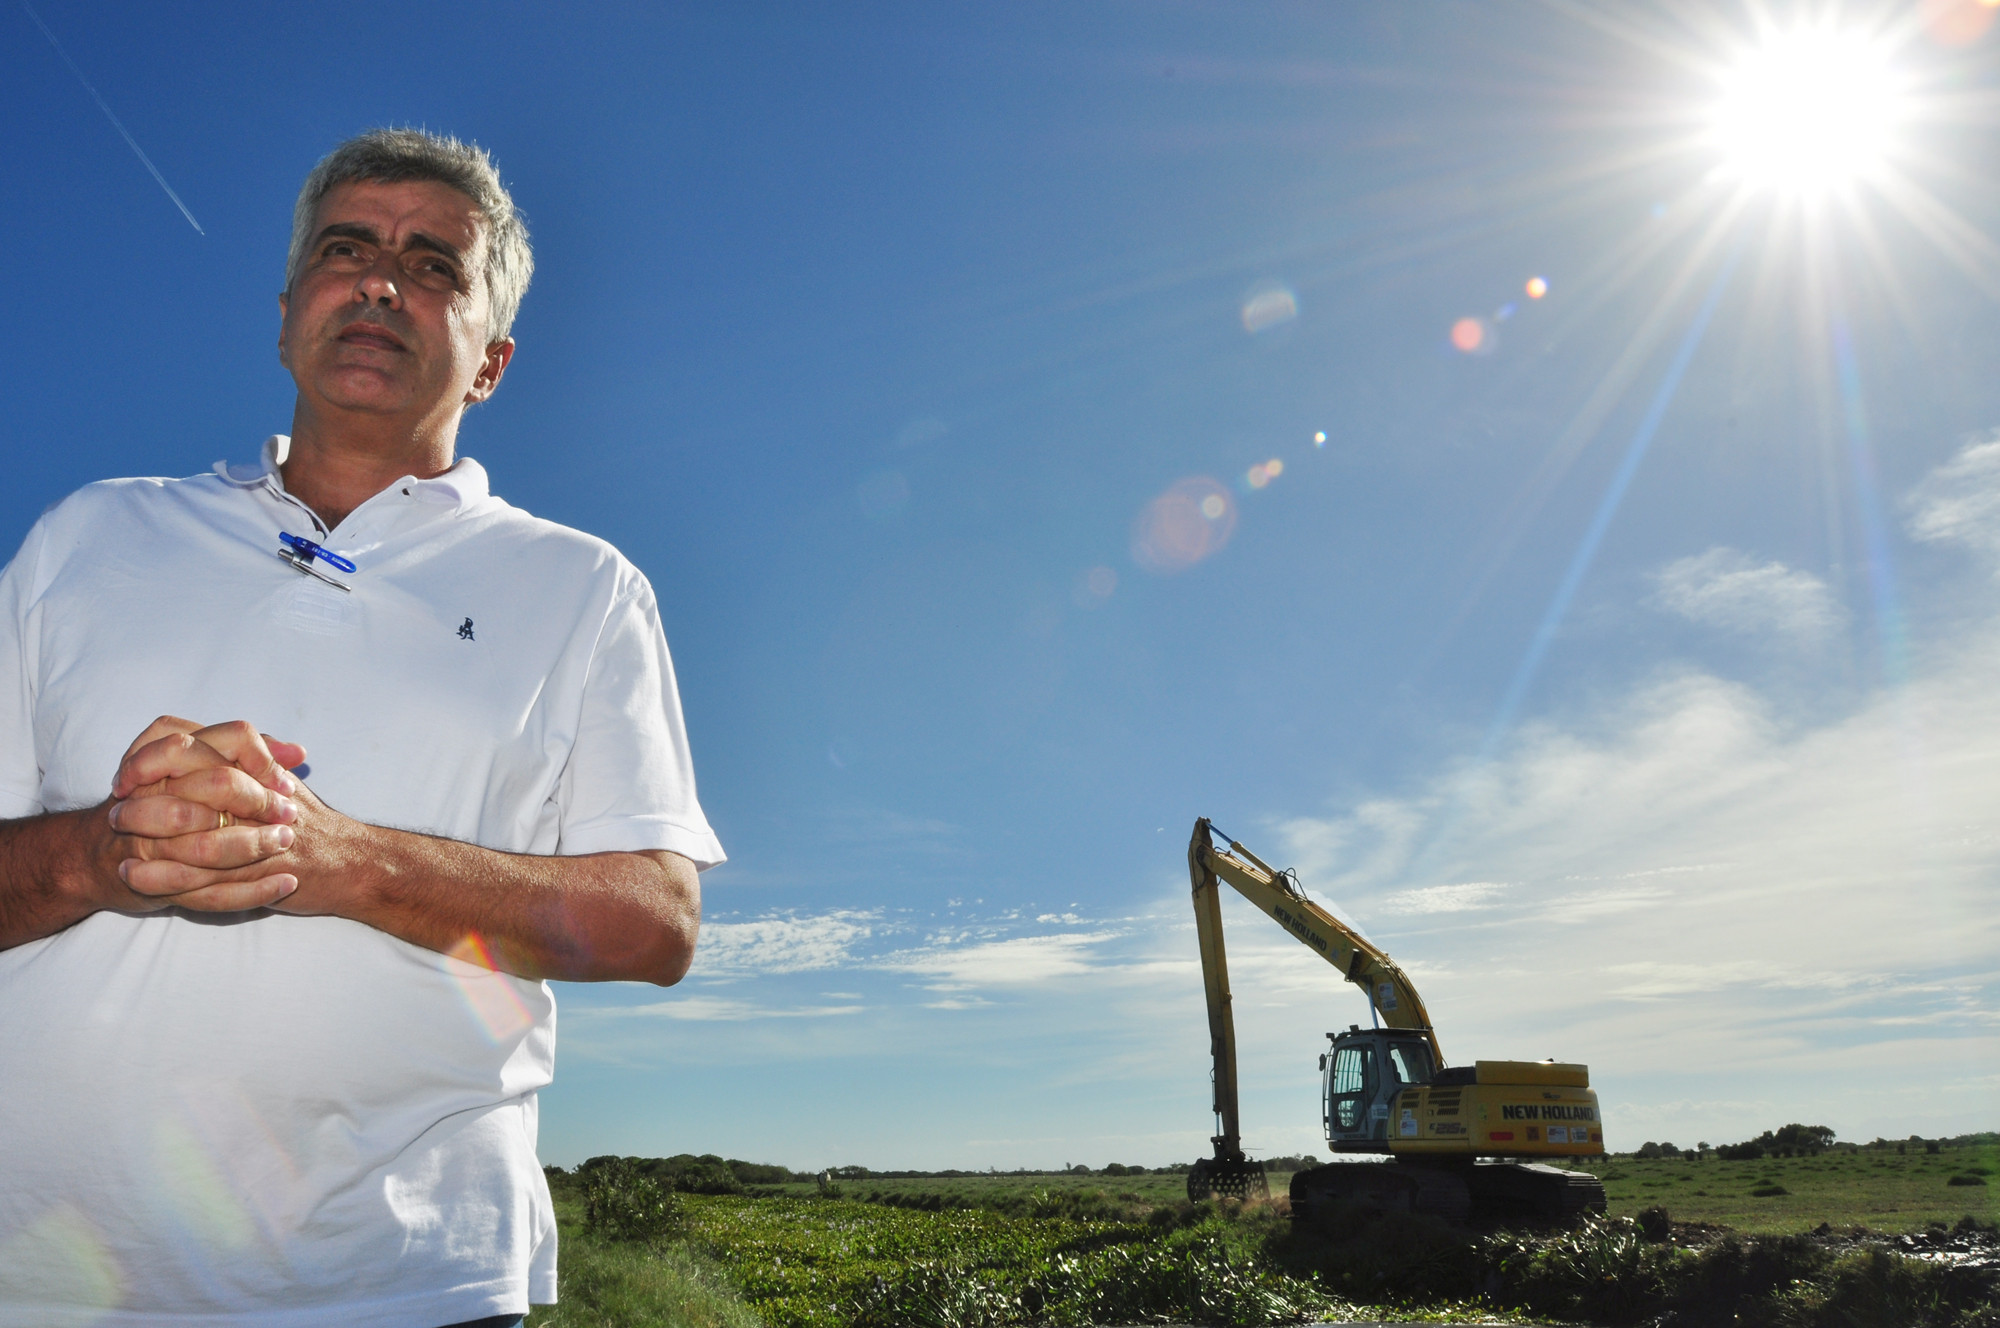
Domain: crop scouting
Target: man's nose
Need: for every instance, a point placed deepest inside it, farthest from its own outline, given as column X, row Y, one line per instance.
column 378, row 285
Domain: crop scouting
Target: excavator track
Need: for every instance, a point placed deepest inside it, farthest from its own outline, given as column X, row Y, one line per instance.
column 1533, row 1192
column 1381, row 1187
column 1486, row 1192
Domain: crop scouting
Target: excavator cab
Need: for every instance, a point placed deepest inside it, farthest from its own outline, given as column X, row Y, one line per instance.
column 1364, row 1070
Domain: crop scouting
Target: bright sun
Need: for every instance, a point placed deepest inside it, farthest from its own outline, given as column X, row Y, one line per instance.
column 1807, row 112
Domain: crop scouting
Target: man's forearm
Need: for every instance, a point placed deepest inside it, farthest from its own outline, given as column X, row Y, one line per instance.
column 45, row 867
column 594, row 917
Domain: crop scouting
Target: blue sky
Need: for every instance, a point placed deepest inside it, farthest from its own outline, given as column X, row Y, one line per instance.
column 1627, row 677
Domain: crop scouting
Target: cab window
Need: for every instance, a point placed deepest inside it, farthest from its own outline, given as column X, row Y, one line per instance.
column 1353, row 1085
column 1410, row 1062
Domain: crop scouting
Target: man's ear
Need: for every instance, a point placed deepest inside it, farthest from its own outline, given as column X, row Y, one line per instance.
column 283, row 307
column 498, row 356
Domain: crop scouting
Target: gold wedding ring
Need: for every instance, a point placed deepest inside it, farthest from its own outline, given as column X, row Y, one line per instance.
column 225, row 822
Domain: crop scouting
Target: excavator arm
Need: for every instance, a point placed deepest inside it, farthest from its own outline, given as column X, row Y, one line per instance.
column 1387, row 987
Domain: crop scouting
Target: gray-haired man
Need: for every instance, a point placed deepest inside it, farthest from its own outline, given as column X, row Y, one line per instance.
column 268, row 1062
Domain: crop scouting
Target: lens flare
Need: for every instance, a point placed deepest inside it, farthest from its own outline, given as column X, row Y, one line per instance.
column 1184, row 525
column 1264, row 472
column 1319, row 439
column 488, row 992
column 1472, row 336
column 59, row 1259
column 1094, row 587
column 1269, row 306
column 1537, row 287
column 202, row 1197
column 1958, row 22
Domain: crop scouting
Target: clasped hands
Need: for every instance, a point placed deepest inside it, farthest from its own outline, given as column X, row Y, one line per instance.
column 206, row 818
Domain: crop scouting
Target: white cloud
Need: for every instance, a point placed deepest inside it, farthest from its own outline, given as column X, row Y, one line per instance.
column 1443, row 898
column 1959, row 502
column 786, row 943
column 1015, row 962
column 710, row 1009
column 1729, row 589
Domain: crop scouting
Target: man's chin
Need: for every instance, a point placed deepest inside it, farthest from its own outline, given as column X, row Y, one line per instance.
column 365, row 390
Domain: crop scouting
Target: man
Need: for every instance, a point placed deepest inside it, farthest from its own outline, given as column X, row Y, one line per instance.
column 272, row 1012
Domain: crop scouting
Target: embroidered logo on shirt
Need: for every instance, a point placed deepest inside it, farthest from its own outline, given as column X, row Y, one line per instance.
column 465, row 630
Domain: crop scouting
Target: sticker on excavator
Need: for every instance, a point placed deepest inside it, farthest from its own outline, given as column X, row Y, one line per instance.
column 1385, row 996
column 1409, row 1125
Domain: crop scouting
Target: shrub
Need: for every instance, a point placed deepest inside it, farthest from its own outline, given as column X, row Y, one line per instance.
column 760, row 1173
column 621, row 1202
column 707, row 1174
column 1719, row 1282
column 1603, row 1269
column 1875, row 1289
column 1792, row 1140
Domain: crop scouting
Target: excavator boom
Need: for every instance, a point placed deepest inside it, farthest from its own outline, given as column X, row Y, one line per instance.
column 1387, row 987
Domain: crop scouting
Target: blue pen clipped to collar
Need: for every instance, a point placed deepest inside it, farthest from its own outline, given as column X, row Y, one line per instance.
column 300, row 552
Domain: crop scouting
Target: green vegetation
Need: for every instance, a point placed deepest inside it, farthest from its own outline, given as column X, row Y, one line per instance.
column 615, row 1285
column 1063, row 1256
column 1874, row 1187
column 828, row 1262
column 662, row 1243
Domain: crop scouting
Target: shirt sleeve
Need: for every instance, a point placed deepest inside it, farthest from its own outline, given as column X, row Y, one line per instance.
column 20, row 772
column 629, row 783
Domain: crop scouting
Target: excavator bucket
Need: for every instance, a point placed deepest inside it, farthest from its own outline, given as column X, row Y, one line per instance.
column 1220, row 1178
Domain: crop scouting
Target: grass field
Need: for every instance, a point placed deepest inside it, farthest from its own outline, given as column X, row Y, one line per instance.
column 1070, row 1249
column 821, row 1262
column 995, row 1188
column 1878, row 1189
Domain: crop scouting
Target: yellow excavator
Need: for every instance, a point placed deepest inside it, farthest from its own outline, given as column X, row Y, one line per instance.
column 1461, row 1142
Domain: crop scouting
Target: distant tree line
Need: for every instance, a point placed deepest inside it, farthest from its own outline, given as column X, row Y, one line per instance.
column 690, row 1174
column 707, row 1173
column 1797, row 1140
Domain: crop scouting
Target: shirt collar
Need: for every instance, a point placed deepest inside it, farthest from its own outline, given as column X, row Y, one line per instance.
column 458, row 488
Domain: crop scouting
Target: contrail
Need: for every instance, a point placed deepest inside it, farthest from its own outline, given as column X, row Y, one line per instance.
column 115, row 123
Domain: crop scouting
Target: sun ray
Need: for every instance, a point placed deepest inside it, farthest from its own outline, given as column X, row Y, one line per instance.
column 1491, row 554
column 1607, row 508
column 1951, row 235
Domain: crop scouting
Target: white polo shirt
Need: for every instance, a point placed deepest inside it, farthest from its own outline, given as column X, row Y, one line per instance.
column 256, row 1118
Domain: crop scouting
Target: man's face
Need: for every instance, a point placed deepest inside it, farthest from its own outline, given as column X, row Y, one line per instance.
column 389, row 313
